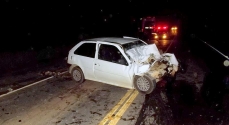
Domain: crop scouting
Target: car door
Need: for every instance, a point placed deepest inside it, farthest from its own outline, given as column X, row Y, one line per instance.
column 84, row 57
column 111, row 66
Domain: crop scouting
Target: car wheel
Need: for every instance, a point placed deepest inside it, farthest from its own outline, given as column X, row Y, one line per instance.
column 144, row 84
column 77, row 75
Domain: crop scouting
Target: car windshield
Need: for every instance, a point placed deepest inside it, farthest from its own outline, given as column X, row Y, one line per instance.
column 131, row 45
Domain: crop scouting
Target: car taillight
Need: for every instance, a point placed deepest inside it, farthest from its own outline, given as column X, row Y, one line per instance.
column 164, row 27
column 158, row 27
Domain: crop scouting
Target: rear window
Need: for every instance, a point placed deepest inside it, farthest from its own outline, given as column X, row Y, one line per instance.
column 86, row 49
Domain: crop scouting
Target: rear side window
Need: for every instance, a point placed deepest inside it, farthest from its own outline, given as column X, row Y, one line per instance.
column 86, row 49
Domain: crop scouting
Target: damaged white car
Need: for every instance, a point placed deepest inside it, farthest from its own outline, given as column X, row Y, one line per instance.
column 125, row 62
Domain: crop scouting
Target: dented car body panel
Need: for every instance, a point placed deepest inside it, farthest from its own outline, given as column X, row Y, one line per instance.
column 149, row 60
column 116, row 61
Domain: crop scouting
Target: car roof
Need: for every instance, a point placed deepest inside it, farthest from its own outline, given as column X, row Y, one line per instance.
column 118, row 40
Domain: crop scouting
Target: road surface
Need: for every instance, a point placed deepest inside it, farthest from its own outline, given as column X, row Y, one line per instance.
column 61, row 101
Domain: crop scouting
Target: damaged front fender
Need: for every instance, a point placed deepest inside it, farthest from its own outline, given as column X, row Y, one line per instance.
column 147, row 59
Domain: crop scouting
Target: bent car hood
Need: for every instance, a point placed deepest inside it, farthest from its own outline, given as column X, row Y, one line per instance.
column 144, row 57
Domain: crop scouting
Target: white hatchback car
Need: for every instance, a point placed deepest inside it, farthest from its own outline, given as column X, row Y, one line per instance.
column 125, row 62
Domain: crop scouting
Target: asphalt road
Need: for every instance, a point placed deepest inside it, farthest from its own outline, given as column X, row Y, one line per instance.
column 61, row 101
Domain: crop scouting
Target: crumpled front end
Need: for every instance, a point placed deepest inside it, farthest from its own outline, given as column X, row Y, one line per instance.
column 147, row 59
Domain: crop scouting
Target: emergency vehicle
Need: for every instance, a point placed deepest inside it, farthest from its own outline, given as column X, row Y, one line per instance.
column 152, row 28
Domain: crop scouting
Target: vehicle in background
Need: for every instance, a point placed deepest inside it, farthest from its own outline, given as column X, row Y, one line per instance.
column 158, row 29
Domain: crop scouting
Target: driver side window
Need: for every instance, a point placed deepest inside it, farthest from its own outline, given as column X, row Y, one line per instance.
column 111, row 54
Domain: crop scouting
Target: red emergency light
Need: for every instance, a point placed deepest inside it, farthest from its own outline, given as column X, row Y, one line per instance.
column 164, row 27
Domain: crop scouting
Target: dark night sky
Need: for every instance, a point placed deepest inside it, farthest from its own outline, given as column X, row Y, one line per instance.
column 60, row 22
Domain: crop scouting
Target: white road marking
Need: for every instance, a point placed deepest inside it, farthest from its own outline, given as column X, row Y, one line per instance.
column 13, row 91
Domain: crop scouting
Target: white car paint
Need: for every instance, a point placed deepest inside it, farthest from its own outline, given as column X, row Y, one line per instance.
column 117, row 74
column 85, row 63
column 112, row 73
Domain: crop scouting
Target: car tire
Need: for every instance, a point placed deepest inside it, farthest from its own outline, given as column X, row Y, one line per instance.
column 77, row 75
column 144, row 84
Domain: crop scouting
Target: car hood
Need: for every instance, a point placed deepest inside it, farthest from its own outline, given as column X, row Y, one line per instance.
column 144, row 57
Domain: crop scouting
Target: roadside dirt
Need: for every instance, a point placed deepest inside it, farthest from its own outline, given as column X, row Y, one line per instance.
column 22, row 77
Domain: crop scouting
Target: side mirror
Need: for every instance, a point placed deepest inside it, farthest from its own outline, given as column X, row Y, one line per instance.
column 226, row 63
